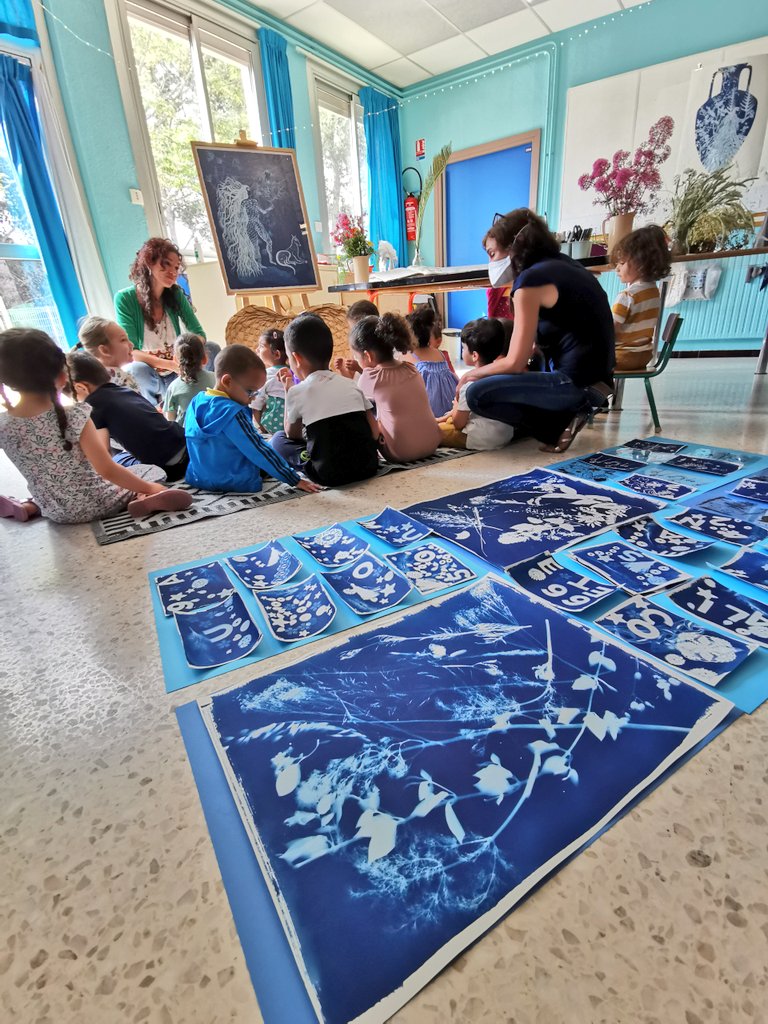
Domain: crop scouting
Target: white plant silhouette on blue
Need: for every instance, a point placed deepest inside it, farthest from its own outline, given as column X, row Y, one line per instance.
column 189, row 590
column 271, row 565
column 333, row 547
column 657, row 486
column 395, row 527
column 416, row 776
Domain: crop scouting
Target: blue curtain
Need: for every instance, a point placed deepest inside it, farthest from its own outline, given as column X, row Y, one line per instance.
column 21, row 129
column 277, row 86
column 385, row 165
column 17, row 19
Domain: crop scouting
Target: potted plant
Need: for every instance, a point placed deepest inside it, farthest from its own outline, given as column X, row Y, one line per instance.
column 697, row 199
column 350, row 237
column 627, row 187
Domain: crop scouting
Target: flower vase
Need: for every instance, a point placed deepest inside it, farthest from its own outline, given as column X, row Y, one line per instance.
column 417, row 260
column 360, row 269
column 619, row 226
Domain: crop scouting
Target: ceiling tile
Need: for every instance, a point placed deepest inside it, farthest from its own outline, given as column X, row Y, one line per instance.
column 449, row 55
column 321, row 22
column 406, row 25
column 468, row 15
column 284, row 8
column 402, row 72
column 560, row 14
column 514, row 30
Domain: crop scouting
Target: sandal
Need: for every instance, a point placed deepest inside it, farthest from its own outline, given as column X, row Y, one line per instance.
column 568, row 436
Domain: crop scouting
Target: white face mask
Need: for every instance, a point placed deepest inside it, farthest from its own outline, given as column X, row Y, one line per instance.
column 500, row 272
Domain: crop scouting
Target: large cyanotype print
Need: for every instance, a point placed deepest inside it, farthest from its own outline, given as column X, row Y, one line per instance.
column 515, row 519
column 403, row 784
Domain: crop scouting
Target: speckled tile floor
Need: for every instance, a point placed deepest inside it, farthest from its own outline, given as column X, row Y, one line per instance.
column 111, row 906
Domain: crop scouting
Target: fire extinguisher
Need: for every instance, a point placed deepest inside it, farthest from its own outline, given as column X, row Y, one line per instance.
column 411, row 207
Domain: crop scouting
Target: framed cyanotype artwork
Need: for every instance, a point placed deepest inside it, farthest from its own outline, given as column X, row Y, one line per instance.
column 258, row 218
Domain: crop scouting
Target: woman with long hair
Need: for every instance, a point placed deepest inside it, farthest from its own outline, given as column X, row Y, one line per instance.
column 153, row 312
column 559, row 365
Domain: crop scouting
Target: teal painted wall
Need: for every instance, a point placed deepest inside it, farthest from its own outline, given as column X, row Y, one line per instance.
column 94, row 109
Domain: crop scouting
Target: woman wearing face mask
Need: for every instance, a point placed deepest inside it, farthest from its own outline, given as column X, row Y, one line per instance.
column 563, row 316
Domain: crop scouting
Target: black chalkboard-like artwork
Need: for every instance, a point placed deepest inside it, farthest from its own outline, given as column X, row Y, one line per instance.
column 258, row 218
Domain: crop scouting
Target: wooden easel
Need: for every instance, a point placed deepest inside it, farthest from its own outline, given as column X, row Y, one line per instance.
column 280, row 303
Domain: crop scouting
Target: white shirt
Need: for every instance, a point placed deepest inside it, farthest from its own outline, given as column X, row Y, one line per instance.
column 161, row 338
column 273, row 388
column 483, row 434
column 321, row 395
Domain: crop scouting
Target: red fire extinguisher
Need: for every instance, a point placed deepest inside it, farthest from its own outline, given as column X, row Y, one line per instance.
column 411, row 208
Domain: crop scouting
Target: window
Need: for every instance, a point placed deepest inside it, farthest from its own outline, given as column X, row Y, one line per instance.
column 195, row 81
column 342, row 148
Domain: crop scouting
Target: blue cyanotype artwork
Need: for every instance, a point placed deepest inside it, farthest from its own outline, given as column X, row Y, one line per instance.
column 725, row 118
column 718, row 527
column 405, row 789
column 714, row 467
column 369, row 585
column 657, row 487
column 736, row 508
column 298, row 611
column 332, row 547
column 395, row 528
column 601, row 460
column 271, row 565
column 521, row 517
column 718, row 604
column 750, row 566
column 676, row 641
column 753, row 487
column 650, row 444
column 647, row 534
column 565, row 589
column 218, row 635
column 431, row 568
column 628, row 567
column 188, row 590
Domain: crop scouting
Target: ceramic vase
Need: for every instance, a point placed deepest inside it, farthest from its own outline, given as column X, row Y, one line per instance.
column 618, row 227
column 724, row 121
column 360, row 269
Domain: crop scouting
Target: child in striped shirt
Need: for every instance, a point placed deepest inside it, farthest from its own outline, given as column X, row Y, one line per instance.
column 642, row 258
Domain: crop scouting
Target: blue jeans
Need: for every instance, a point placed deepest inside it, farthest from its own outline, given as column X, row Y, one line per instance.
column 153, row 385
column 290, row 450
column 542, row 404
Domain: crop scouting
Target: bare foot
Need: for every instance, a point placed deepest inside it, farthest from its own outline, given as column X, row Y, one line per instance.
column 21, row 511
column 172, row 499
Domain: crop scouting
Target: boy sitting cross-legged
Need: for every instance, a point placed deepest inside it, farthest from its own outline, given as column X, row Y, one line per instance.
column 482, row 342
column 330, row 431
column 226, row 451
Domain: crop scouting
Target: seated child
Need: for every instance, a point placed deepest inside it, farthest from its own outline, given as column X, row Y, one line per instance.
column 269, row 405
column 482, row 342
column 330, row 431
column 438, row 376
column 641, row 259
column 191, row 356
column 406, row 424
column 69, row 472
column 226, row 452
column 109, row 343
column 355, row 313
column 131, row 420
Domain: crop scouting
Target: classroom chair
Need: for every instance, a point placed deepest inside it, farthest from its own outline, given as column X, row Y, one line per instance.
column 668, row 338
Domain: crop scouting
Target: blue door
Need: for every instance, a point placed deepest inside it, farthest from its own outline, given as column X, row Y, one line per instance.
column 476, row 189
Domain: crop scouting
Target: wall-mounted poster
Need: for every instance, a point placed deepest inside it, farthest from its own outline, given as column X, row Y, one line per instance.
column 258, row 218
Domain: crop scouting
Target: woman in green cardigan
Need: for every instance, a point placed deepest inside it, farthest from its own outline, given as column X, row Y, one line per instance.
column 151, row 312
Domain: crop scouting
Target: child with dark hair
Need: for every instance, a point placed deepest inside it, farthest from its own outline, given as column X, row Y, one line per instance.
column 226, row 451
column 641, row 258
column 359, row 309
column 406, row 424
column 108, row 342
column 269, row 404
column 120, row 414
column 330, row 431
column 190, row 356
column 69, row 471
column 482, row 342
column 439, row 378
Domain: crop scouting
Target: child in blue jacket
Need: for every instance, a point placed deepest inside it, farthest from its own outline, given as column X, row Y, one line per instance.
column 226, row 452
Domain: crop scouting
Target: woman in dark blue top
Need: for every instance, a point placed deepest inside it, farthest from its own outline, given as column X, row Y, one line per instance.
column 561, row 354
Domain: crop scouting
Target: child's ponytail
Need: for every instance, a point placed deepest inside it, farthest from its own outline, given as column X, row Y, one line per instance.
column 190, row 355
column 381, row 335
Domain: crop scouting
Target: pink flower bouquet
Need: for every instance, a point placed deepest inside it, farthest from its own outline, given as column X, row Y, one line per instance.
column 350, row 237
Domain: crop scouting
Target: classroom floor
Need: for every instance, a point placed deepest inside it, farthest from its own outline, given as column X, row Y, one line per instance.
column 111, row 906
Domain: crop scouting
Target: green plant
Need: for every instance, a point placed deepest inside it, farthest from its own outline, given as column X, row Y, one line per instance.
column 726, row 227
column 350, row 236
column 439, row 164
column 698, row 194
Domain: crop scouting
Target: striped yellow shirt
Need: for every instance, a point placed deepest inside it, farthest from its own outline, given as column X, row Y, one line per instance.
column 635, row 314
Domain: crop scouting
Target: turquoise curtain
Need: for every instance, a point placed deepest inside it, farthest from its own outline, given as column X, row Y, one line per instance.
column 277, row 86
column 382, row 139
column 17, row 19
column 21, row 129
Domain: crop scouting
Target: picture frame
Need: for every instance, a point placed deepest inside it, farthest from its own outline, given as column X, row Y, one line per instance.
column 258, row 217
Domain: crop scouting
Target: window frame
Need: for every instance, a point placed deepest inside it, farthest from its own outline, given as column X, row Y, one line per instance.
column 207, row 28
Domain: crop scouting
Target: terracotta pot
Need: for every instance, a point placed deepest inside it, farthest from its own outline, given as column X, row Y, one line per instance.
column 360, row 269
column 618, row 227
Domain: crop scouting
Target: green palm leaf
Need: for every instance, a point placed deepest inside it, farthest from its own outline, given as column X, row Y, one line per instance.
column 439, row 164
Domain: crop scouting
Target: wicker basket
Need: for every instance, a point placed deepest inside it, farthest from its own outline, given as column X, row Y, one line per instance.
column 248, row 323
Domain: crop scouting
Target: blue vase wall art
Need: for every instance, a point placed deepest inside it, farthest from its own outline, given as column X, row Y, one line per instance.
column 724, row 121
